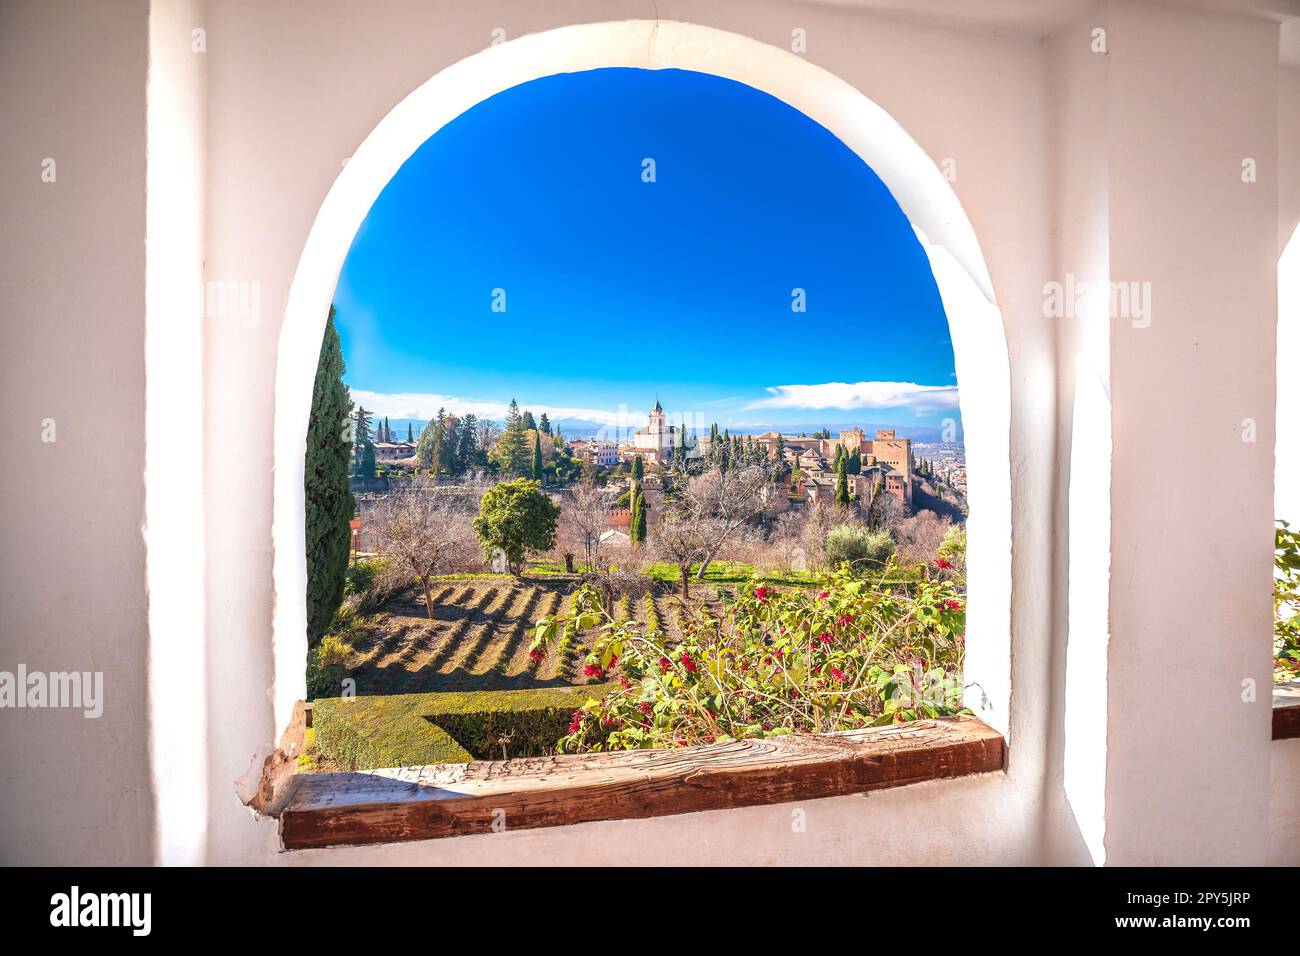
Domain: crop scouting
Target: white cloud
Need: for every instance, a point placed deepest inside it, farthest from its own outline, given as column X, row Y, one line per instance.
column 424, row 406
column 847, row 396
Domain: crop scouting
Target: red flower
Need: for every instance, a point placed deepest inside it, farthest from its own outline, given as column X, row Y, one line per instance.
column 837, row 674
column 536, row 655
column 688, row 663
column 576, row 723
column 846, row 618
column 665, row 664
column 952, row 605
column 824, row 637
column 593, row 670
column 761, row 593
column 823, row 595
column 646, row 708
column 943, row 564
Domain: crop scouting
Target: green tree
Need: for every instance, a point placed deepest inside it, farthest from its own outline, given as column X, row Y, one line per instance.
column 855, row 463
column 544, row 424
column 538, row 471
column 529, row 423
column 329, row 502
column 511, row 452
column 428, row 450
column 842, row 482
column 638, row 469
column 468, row 453
column 361, row 441
column 638, row 528
column 410, row 434
column 518, row 518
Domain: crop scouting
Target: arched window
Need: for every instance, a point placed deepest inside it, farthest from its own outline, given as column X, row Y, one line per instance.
column 923, row 196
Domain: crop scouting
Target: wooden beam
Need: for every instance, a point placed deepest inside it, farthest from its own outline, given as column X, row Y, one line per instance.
column 1286, row 721
column 420, row 803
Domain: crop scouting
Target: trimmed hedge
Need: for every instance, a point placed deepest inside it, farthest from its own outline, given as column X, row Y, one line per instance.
column 404, row 730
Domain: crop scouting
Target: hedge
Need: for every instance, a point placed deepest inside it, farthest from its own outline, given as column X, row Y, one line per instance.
column 404, row 730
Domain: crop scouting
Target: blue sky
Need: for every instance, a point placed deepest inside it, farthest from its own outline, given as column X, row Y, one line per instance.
column 619, row 291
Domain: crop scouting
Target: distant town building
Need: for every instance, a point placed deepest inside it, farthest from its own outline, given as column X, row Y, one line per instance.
column 600, row 453
column 395, row 453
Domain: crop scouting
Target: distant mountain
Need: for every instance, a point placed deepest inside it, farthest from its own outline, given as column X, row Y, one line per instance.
column 582, row 428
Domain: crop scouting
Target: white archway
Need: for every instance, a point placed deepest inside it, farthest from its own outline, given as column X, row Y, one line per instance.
column 978, row 337
column 1286, row 488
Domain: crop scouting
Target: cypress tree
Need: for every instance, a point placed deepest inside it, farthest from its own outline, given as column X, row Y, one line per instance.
column 410, row 434
column 537, row 456
column 842, row 483
column 361, row 437
column 329, row 502
column 638, row 470
column 637, row 531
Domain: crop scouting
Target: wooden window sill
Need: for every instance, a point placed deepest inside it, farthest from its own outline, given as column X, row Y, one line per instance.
column 421, row 803
column 1286, row 712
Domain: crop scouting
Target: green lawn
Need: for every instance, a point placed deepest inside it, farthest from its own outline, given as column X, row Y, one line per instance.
column 406, row 730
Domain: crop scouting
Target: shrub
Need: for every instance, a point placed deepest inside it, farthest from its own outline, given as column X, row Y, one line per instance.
column 772, row 663
column 862, row 548
column 403, row 730
column 360, row 576
column 372, row 583
column 326, row 667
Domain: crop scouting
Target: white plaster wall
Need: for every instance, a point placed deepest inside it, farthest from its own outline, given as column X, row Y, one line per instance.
column 174, row 341
column 72, row 587
column 1191, row 564
column 1076, row 777
column 293, row 87
column 1284, row 806
column 273, row 75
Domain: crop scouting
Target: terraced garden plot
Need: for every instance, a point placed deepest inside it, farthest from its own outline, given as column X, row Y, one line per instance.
column 479, row 637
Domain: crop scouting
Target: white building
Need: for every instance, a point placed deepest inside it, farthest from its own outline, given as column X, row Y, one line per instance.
column 656, row 441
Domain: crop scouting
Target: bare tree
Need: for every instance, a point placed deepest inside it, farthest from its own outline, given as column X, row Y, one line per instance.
column 488, row 433
column 812, row 535
column 583, row 518
column 884, row 510
column 684, row 536
column 919, row 537
column 726, row 501
column 426, row 529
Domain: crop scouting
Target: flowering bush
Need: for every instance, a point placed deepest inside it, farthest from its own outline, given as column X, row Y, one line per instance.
column 1286, row 605
column 771, row 662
